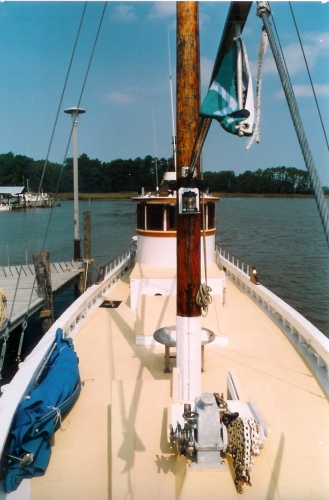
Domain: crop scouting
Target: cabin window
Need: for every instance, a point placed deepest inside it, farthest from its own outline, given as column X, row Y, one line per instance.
column 140, row 216
column 211, row 215
column 155, row 217
column 172, row 218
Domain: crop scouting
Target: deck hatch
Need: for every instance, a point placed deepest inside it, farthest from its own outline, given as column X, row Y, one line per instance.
column 111, row 304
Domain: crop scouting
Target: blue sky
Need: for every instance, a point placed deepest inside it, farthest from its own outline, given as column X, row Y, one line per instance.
column 129, row 81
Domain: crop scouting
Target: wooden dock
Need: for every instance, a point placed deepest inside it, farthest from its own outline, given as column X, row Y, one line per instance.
column 62, row 275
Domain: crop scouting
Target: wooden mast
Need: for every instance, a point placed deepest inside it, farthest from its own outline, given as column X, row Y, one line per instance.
column 188, row 225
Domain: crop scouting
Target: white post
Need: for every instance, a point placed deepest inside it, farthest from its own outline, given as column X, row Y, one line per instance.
column 74, row 112
column 188, row 343
column 75, row 177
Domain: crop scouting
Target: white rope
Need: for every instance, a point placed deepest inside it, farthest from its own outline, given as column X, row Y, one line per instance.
column 58, row 416
column 261, row 54
column 203, row 298
column 87, row 262
column 3, row 307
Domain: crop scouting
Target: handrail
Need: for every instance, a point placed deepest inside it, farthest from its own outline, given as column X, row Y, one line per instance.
column 246, row 269
column 113, row 263
column 311, row 343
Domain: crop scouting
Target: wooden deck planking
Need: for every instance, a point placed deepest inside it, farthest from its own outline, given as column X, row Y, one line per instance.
column 27, row 270
column 56, row 267
column 19, row 291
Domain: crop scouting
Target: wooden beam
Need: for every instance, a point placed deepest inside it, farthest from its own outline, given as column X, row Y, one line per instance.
column 188, row 105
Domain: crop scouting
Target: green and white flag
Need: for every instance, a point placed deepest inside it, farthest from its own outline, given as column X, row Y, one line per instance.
column 221, row 101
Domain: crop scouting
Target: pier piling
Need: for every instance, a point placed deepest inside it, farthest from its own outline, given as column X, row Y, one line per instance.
column 43, row 275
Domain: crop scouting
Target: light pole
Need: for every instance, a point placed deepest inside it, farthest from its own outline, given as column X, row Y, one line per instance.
column 75, row 112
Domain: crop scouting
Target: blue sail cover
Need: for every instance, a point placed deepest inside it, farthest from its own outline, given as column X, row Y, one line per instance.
column 38, row 417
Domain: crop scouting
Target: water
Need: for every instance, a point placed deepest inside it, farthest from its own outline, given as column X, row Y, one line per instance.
column 23, row 232
column 282, row 238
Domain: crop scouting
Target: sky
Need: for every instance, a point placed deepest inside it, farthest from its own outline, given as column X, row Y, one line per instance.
column 127, row 92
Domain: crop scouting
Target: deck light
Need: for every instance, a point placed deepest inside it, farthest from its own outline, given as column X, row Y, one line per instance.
column 189, row 203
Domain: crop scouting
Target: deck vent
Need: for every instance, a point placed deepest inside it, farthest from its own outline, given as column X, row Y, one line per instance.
column 111, row 304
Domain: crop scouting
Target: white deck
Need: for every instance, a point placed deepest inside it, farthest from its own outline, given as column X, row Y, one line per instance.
column 113, row 443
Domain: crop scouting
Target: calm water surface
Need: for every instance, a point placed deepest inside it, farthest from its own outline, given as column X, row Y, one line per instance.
column 282, row 238
column 285, row 241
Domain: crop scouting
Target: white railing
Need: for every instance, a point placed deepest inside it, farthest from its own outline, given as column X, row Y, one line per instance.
column 237, row 263
column 312, row 344
column 115, row 263
column 70, row 322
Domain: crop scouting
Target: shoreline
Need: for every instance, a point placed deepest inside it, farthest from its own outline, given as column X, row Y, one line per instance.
column 128, row 195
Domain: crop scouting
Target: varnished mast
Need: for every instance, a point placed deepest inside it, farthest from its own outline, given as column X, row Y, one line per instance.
column 188, row 225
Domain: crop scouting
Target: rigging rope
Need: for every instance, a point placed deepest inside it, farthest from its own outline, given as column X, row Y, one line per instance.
column 80, row 97
column 261, row 54
column 3, row 350
column 29, row 232
column 309, row 75
column 263, row 11
column 58, row 184
column 88, row 262
column 79, row 101
column 24, row 326
column 203, row 297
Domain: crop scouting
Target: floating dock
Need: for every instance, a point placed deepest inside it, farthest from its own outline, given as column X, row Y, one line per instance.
column 20, row 287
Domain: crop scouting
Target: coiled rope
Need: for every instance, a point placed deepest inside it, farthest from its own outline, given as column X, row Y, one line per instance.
column 203, row 297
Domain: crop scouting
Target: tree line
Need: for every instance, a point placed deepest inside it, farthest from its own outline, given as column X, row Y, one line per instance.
column 120, row 175
column 276, row 180
column 95, row 176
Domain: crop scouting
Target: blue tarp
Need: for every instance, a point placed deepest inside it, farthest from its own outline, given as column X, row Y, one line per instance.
column 38, row 417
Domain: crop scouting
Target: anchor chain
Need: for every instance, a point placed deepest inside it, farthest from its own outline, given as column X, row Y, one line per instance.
column 243, row 442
